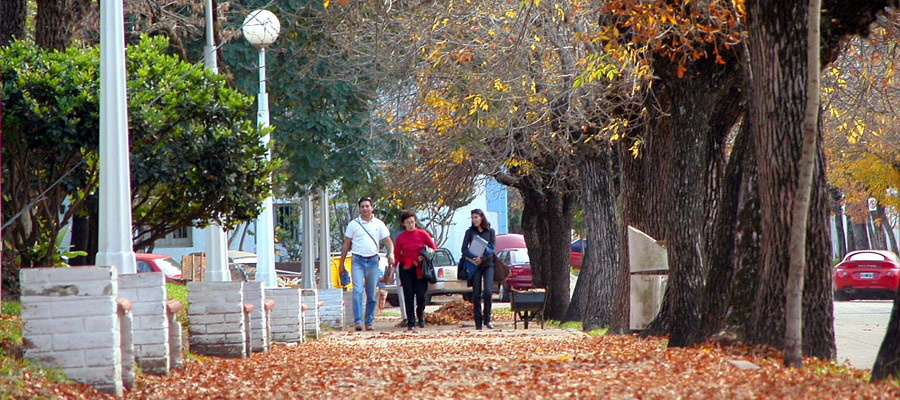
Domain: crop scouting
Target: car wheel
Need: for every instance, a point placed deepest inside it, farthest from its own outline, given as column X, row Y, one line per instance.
column 504, row 292
column 839, row 295
column 393, row 300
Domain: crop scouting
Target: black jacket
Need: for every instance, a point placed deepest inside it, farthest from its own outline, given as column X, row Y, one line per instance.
column 486, row 234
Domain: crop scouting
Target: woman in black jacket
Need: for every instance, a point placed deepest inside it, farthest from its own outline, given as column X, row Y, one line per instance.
column 481, row 266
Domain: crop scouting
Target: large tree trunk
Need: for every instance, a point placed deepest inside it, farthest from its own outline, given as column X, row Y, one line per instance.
column 859, row 236
column 592, row 300
column 777, row 48
column 12, row 20
column 719, row 281
column 547, row 221
column 57, row 21
column 887, row 363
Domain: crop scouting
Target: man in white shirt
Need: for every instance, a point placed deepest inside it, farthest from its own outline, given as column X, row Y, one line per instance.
column 362, row 238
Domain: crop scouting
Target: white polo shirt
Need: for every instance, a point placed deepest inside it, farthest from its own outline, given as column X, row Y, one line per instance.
column 362, row 244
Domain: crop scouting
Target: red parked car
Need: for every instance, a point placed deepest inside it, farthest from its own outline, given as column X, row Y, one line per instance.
column 577, row 252
column 866, row 272
column 147, row 262
column 520, row 277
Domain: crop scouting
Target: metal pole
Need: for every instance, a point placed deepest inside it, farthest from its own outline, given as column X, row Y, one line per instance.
column 309, row 246
column 216, row 239
column 114, row 244
column 324, row 242
column 209, row 51
column 265, row 226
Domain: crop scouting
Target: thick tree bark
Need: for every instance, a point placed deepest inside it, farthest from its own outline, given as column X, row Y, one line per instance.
column 778, row 61
column 12, row 20
column 547, row 221
column 719, row 281
column 57, row 21
column 859, row 235
column 592, row 300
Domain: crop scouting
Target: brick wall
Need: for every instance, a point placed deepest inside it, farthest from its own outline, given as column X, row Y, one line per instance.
column 150, row 329
column 310, row 298
column 253, row 294
column 332, row 312
column 286, row 319
column 216, row 317
column 70, row 321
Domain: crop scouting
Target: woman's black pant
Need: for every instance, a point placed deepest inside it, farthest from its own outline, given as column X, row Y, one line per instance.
column 413, row 286
column 482, row 292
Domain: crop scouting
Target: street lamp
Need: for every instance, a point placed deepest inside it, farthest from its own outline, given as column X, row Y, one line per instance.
column 114, row 245
column 261, row 29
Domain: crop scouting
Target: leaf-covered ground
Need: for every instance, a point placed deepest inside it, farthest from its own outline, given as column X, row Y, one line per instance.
column 453, row 362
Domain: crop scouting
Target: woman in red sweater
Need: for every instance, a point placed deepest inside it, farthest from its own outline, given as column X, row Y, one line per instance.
column 410, row 243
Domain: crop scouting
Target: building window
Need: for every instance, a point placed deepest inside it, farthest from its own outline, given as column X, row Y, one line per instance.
column 287, row 218
column 181, row 237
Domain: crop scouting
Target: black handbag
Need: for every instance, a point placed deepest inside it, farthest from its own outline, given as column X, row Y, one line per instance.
column 461, row 270
column 428, row 265
column 501, row 270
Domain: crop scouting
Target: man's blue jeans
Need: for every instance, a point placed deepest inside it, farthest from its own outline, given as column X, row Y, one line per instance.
column 365, row 277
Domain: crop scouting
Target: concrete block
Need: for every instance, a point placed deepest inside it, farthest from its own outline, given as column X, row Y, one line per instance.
column 84, row 308
column 175, row 342
column 645, row 254
column 100, row 324
column 63, row 359
column 143, row 280
column 60, row 325
column 203, row 319
column 29, row 276
column 214, row 287
column 155, row 321
column 65, row 288
column 106, row 379
column 102, row 357
column 145, row 308
column 80, row 341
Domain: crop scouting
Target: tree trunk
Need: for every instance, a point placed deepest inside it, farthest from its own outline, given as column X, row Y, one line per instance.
column 12, row 20
column 887, row 363
column 838, row 223
column 723, row 240
column 859, row 235
column 777, row 49
column 547, row 232
column 890, row 239
column 793, row 354
column 57, row 21
column 592, row 300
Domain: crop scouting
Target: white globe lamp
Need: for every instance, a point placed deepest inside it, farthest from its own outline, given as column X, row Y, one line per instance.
column 261, row 28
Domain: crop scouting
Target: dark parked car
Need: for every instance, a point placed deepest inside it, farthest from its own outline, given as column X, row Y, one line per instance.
column 520, row 277
column 866, row 272
column 147, row 262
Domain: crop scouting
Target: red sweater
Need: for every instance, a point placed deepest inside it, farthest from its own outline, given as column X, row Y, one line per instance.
column 409, row 245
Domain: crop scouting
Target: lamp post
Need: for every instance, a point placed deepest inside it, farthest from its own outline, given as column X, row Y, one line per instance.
column 216, row 240
column 261, row 29
column 114, row 246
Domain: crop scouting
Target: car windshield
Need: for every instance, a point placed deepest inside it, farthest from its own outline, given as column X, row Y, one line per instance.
column 169, row 266
column 520, row 257
column 866, row 257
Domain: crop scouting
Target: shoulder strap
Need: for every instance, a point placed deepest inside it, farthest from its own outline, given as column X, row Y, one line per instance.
column 367, row 233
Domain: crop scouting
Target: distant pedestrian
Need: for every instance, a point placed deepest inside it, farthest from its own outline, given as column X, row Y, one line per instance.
column 362, row 238
column 407, row 252
column 480, row 267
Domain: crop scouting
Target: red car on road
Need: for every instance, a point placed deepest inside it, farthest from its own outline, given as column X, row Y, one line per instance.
column 147, row 262
column 866, row 272
column 520, row 277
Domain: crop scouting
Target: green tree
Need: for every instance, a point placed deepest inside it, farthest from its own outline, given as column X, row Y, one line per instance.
column 195, row 158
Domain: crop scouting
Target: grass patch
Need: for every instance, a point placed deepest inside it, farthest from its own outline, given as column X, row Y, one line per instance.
column 501, row 311
column 598, row 332
column 390, row 314
column 11, row 308
column 565, row 325
column 178, row 291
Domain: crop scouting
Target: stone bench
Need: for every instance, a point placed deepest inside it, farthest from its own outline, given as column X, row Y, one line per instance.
column 219, row 321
